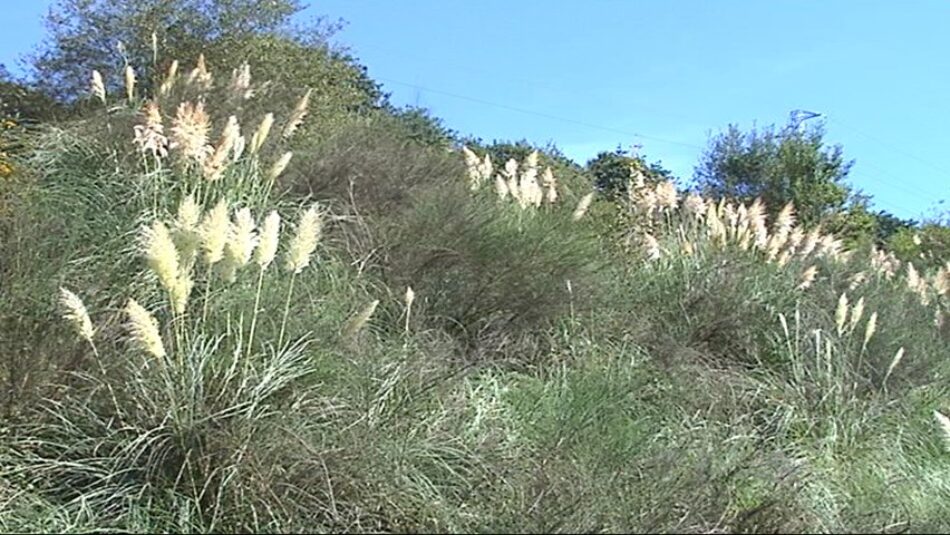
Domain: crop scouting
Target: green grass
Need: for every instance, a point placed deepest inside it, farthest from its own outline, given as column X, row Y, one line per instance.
column 701, row 392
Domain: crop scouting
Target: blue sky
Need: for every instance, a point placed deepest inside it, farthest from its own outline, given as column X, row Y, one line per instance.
column 589, row 75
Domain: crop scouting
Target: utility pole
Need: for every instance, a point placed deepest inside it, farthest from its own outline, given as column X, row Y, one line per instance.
column 797, row 117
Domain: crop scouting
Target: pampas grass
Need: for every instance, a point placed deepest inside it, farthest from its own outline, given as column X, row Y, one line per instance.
column 297, row 116
column 260, row 135
column 144, row 329
column 189, row 132
column 944, row 424
column 869, row 329
column 582, row 206
column 841, row 313
column 894, row 362
column 200, row 77
column 216, row 164
column 856, row 312
column 267, row 247
column 170, row 78
column 808, row 277
column 161, row 254
column 357, row 322
column 97, row 87
column 279, row 166
column 214, row 233
column 186, row 231
column 304, row 242
column 150, row 136
column 410, row 297
column 240, row 87
column 309, row 230
column 76, row 314
column 130, row 83
column 241, row 238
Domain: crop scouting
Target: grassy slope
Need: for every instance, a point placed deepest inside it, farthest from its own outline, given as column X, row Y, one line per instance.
column 650, row 396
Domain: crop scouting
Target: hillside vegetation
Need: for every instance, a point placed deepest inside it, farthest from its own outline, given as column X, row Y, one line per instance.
column 235, row 305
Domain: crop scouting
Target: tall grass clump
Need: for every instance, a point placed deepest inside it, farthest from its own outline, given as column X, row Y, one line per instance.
column 489, row 274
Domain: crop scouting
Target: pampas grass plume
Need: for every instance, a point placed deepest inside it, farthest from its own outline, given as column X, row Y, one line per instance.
column 870, row 328
column 77, row 314
column 270, row 235
column 841, row 313
column 129, row 82
column 808, row 277
column 358, row 321
column 894, row 362
column 260, row 136
column 309, row 230
column 296, row 118
column 189, row 132
column 161, row 254
column 944, row 423
column 241, row 238
column 856, row 312
column 144, row 329
column 279, row 166
column 582, row 206
column 97, row 87
column 214, row 232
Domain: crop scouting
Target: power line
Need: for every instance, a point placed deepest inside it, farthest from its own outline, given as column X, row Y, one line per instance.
column 541, row 114
column 891, row 147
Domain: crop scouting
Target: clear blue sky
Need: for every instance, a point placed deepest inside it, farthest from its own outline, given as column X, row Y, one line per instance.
column 670, row 71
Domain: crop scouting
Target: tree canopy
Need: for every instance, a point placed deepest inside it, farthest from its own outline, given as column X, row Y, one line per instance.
column 779, row 165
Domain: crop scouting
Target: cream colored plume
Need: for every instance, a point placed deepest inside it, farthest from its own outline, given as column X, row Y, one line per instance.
column 471, row 163
column 200, row 77
column 170, row 78
column 808, row 277
column 297, row 116
column 279, row 166
column 667, row 197
column 501, row 187
column 309, row 231
column 550, row 185
column 841, row 313
column 241, row 238
column 357, row 322
column 189, row 132
column 150, row 136
column 76, row 314
column 857, row 311
column 144, row 328
column 240, row 87
column 695, row 205
column 651, row 247
column 944, row 423
column 129, row 83
column 870, row 328
column 161, row 254
column 582, row 206
column 186, row 234
column 894, row 362
column 270, row 235
column 215, row 165
column 97, row 87
column 214, row 232
column 260, row 135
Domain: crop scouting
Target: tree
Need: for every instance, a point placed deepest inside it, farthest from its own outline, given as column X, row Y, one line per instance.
column 788, row 164
column 20, row 103
column 611, row 171
column 107, row 35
